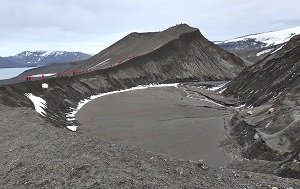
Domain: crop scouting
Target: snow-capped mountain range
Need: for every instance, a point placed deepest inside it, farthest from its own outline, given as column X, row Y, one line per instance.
column 266, row 39
column 42, row 58
column 259, row 45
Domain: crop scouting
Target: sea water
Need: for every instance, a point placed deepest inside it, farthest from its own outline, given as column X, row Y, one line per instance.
column 7, row 73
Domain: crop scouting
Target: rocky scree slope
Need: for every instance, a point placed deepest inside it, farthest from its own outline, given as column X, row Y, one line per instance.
column 277, row 73
column 36, row 155
column 269, row 131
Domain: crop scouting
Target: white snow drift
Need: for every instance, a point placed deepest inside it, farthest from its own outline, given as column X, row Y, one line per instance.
column 264, row 52
column 100, row 64
column 215, row 88
column 45, row 86
column 45, row 75
column 39, row 104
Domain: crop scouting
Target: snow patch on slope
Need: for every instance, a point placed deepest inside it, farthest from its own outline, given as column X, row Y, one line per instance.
column 217, row 87
column 50, row 53
column 100, row 64
column 39, row 104
column 264, row 52
column 45, row 75
column 277, row 49
column 45, row 86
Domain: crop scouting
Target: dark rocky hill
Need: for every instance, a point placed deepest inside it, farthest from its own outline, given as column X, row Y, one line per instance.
column 270, row 130
column 277, row 73
column 178, row 52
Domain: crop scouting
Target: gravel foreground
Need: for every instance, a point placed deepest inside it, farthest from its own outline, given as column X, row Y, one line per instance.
column 34, row 154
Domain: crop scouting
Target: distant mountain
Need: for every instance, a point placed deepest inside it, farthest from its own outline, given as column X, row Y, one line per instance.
column 257, row 46
column 6, row 63
column 42, row 58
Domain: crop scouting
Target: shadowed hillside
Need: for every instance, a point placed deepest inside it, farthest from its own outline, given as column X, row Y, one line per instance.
column 277, row 73
column 270, row 131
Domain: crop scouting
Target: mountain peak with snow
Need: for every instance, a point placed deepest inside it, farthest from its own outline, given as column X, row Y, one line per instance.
column 269, row 38
column 256, row 46
column 41, row 58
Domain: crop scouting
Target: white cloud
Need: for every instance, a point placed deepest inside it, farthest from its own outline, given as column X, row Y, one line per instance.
column 92, row 25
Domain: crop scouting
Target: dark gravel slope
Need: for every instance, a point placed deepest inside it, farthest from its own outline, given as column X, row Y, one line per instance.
column 270, row 130
column 275, row 74
column 34, row 154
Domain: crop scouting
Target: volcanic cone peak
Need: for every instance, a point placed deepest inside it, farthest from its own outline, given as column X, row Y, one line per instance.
column 179, row 52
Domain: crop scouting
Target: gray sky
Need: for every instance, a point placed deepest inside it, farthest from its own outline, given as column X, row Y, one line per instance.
column 92, row 25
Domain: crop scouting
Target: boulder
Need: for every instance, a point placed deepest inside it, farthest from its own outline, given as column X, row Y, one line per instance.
column 271, row 110
column 249, row 113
